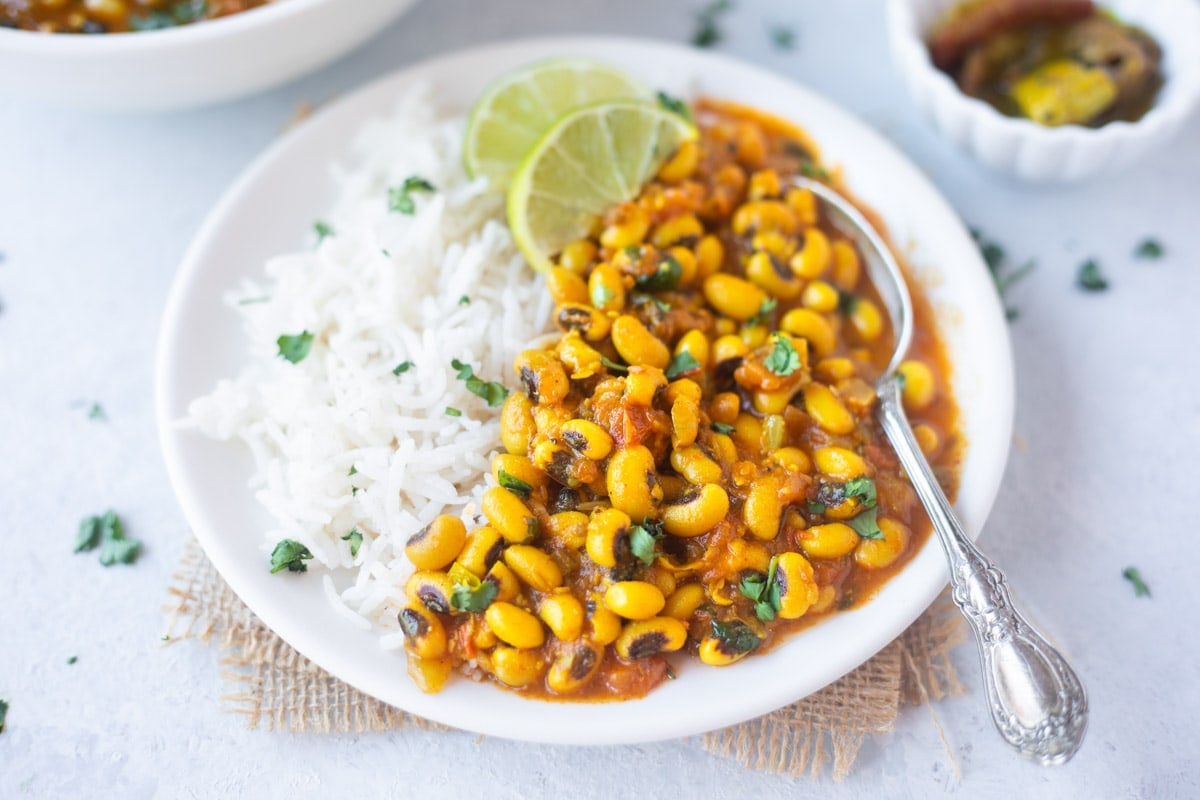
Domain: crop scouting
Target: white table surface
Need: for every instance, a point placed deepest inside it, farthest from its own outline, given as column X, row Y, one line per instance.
column 95, row 212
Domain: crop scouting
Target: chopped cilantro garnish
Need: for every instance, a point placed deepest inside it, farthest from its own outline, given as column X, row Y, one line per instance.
column 721, row 427
column 400, row 197
column 665, row 278
column 491, row 391
column 815, row 507
column 707, row 33
column 735, row 635
column 613, row 366
column 473, row 597
column 290, row 555
column 514, row 484
column 355, row 539
column 107, row 533
column 763, row 590
column 323, row 229
column 674, row 105
column 865, row 524
column 681, row 364
column 451, row 411
column 783, row 360
column 783, row 37
column 464, row 301
column 601, row 294
column 764, row 312
column 1149, row 248
column 96, row 412
column 72, row 660
column 402, row 367
column 3, row 713
column 863, row 489
column 643, row 540
column 250, row 301
column 811, row 169
column 997, row 263
column 1140, row 589
column 295, row 348
column 1089, row 277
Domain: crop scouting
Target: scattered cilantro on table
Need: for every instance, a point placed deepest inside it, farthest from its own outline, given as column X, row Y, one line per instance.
column 323, row 229
column 707, row 33
column 108, row 534
column 290, row 555
column 782, row 37
column 1140, row 589
column 1090, row 278
column 1005, row 278
column 1149, row 249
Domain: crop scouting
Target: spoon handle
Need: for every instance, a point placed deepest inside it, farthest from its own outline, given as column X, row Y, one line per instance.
column 1036, row 700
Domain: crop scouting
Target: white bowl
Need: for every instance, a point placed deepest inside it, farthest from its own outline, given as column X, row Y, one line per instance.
column 190, row 65
column 270, row 209
column 1033, row 152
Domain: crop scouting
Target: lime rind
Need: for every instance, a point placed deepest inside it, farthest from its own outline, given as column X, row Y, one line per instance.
column 591, row 159
column 516, row 110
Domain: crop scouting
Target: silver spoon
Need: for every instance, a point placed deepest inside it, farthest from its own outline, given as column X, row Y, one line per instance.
column 1035, row 698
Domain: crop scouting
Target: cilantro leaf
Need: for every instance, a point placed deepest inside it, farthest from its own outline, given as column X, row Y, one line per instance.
column 402, row 367
column 674, row 105
column 295, row 348
column 864, row 489
column 451, row 411
column 783, row 37
column 464, row 300
column 643, row 541
column 681, row 364
column 1140, row 589
column 996, row 259
column 735, row 635
column 816, row 508
column 107, row 533
column 3, row 713
column 707, row 33
column 72, row 660
column 601, row 294
column 355, row 539
column 1149, row 248
column 811, row 169
column 613, row 366
column 290, row 555
column 96, row 411
column 1089, row 277
column 491, row 391
column 865, row 524
column 763, row 590
column 473, row 599
column 665, row 278
column 400, row 197
column 323, row 229
column 764, row 312
column 721, row 427
column 783, row 360
column 514, row 484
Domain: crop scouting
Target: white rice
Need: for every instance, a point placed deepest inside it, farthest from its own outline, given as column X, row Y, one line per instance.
column 383, row 289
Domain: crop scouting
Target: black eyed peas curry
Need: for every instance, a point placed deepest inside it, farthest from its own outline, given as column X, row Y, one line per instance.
column 114, row 16
column 694, row 468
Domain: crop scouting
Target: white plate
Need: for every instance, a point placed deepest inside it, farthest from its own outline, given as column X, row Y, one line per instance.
column 270, row 210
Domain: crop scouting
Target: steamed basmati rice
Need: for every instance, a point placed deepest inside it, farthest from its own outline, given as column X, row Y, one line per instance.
column 384, row 288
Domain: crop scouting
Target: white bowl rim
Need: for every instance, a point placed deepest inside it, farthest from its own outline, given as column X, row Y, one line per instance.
column 603, row 723
column 905, row 34
column 79, row 44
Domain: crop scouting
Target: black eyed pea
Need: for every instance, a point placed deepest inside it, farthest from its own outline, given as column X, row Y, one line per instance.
column 509, row 515
column 483, row 548
column 566, row 286
column 430, row 589
column 581, row 358
column 695, row 465
column 514, row 625
column 515, row 667
column 764, row 215
column 437, row 544
column 629, row 226
column 517, row 427
column 606, row 288
column 762, row 510
column 430, row 674
column 578, row 255
column 608, row 536
column 535, row 567
column 637, row 345
column 574, row 667
column 846, row 265
column 542, row 375
column 632, row 486
column 643, row 384
column 606, row 626
column 684, row 601
column 634, row 599
column 830, row 540
column 568, row 528
column 813, row 258
column 519, row 467
column 507, row 584
column 798, row 588
column 840, row 463
column 808, row 324
column 827, row 410
column 919, row 387
column 772, row 276
column 866, row 319
column 733, row 296
column 591, row 323
column 710, row 255
column 649, row 637
column 684, row 229
column 879, row 553
column 586, row 438
column 717, row 653
column 424, row 634
column 563, row 614
column 698, row 513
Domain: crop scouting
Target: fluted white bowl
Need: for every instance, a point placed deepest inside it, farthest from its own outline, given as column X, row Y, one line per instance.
column 1033, row 152
column 191, row 65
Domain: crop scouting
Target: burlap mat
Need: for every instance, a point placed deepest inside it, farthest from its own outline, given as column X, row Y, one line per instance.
column 275, row 687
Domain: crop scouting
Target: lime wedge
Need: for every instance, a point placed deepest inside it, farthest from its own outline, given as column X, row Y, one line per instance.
column 517, row 109
column 590, row 160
